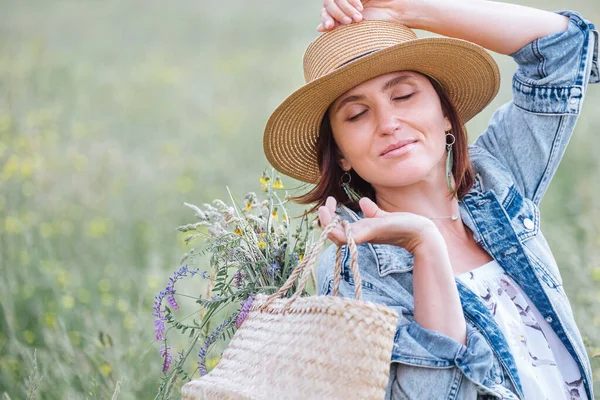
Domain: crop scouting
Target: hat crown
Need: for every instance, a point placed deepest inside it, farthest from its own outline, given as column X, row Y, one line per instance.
column 347, row 43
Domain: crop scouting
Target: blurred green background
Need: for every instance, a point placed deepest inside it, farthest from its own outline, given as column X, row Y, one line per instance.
column 113, row 113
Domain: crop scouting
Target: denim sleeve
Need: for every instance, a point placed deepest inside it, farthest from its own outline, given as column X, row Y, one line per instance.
column 529, row 134
column 432, row 365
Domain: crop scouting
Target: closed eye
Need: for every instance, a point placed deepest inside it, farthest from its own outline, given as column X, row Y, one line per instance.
column 403, row 97
column 355, row 117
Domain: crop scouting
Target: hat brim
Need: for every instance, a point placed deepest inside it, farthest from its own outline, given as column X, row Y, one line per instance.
column 466, row 71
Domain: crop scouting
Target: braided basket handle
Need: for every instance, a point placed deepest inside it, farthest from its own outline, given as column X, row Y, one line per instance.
column 307, row 264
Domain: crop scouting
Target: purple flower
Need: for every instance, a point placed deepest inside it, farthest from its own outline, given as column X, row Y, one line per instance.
column 159, row 318
column 202, row 362
column 273, row 268
column 170, row 289
column 238, row 278
column 244, row 311
column 165, row 353
column 205, row 275
column 212, row 338
column 159, row 328
column 172, row 303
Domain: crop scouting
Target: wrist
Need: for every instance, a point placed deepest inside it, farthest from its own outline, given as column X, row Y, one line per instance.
column 415, row 13
column 430, row 242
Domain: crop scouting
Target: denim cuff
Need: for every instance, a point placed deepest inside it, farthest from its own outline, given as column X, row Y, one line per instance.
column 553, row 71
column 415, row 345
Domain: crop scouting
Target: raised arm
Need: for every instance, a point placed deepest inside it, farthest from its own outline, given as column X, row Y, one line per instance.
column 500, row 27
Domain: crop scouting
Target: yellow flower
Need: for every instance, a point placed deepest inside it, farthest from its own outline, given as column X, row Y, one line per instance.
column 50, row 320
column 248, row 207
column 277, row 184
column 275, row 215
column 238, row 231
column 284, row 217
column 211, row 363
column 264, row 179
column 300, row 257
column 29, row 337
column 262, row 245
column 68, row 301
column 105, row 369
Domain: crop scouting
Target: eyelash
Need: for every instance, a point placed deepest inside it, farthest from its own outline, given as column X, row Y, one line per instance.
column 355, row 117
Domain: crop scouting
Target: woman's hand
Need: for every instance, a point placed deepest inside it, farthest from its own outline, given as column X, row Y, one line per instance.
column 437, row 304
column 402, row 229
column 341, row 12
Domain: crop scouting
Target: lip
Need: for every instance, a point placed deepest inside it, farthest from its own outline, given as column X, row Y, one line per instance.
column 397, row 148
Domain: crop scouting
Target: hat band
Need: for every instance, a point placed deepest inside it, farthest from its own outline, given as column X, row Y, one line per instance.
column 356, row 58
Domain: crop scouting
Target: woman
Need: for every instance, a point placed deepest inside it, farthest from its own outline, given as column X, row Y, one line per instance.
column 449, row 233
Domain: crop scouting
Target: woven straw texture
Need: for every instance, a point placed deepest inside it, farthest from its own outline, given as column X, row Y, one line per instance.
column 338, row 60
column 318, row 347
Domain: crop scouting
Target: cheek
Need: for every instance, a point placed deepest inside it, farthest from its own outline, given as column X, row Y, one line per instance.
column 352, row 141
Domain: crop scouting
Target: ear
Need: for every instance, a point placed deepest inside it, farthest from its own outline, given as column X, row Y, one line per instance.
column 344, row 164
column 448, row 126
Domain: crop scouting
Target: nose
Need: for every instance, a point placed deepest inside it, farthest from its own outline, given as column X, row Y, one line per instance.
column 387, row 121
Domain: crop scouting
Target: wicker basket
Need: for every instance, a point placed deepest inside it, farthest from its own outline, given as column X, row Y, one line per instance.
column 317, row 347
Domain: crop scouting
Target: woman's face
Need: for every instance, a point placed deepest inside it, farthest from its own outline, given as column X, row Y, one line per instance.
column 391, row 129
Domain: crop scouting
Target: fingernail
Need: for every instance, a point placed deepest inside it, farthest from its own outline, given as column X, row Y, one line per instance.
column 360, row 7
column 357, row 17
column 347, row 20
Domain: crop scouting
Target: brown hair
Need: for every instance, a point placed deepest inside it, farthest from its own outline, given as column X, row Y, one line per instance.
column 328, row 156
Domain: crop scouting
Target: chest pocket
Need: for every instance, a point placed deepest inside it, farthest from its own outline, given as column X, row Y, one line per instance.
column 523, row 213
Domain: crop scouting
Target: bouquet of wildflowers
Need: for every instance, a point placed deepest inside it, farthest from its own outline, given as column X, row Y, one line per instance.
column 251, row 248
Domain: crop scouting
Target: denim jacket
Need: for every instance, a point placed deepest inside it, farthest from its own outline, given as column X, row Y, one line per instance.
column 514, row 161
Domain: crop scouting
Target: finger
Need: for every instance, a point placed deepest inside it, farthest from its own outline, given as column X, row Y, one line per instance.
column 337, row 235
column 331, row 204
column 338, row 238
column 370, row 209
column 324, row 216
column 357, row 4
column 349, row 10
column 326, row 19
column 336, row 12
column 367, row 229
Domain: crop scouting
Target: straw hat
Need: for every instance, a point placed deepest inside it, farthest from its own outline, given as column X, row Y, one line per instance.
column 349, row 55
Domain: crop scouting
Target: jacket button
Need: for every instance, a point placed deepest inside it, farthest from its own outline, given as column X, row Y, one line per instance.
column 498, row 379
column 573, row 100
column 548, row 319
column 528, row 223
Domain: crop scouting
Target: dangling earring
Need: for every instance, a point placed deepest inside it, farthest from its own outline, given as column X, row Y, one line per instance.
column 449, row 161
column 345, row 183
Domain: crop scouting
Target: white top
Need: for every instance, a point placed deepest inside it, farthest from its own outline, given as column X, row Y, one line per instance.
column 546, row 369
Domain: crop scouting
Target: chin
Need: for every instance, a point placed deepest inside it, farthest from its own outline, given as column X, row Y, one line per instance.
column 402, row 174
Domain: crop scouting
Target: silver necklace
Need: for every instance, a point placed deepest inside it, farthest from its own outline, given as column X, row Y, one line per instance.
column 453, row 217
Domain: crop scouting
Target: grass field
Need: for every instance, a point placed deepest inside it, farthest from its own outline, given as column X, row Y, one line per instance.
column 114, row 113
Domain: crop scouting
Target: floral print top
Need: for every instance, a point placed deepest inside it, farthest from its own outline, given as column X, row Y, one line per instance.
column 546, row 369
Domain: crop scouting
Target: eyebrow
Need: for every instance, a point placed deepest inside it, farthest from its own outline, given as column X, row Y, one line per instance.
column 388, row 85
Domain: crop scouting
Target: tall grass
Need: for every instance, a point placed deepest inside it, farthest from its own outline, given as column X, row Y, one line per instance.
column 112, row 114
